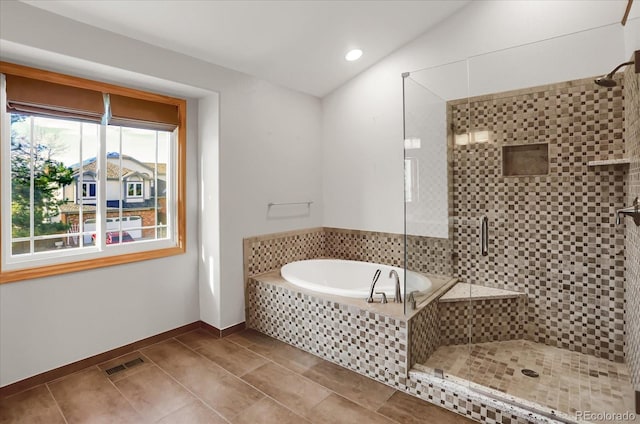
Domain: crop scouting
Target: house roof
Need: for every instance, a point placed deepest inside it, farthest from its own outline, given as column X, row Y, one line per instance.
column 162, row 167
column 113, row 170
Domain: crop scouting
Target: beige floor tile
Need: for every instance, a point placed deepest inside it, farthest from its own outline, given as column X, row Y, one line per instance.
column 153, row 393
column 295, row 359
column 248, row 337
column 267, row 411
column 197, row 338
column 193, row 413
column 338, row 410
column 215, row 386
column 89, row 397
column 407, row 409
column 230, row 356
column 292, row 390
column 32, row 406
column 358, row 388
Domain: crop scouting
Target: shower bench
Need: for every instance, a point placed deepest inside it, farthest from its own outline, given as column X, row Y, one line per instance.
column 494, row 314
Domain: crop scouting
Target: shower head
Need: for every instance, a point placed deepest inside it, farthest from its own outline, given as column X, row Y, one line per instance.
column 607, row 80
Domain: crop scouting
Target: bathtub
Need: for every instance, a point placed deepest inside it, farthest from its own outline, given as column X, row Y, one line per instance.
column 349, row 278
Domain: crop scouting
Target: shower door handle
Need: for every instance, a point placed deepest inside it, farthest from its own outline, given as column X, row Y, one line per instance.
column 484, row 236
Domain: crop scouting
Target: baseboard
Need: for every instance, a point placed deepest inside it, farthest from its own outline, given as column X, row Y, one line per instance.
column 222, row 333
column 56, row 373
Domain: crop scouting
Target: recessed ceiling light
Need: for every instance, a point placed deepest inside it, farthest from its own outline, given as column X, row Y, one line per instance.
column 353, row 55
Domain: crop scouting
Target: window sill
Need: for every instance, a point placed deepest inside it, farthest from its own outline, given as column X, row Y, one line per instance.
column 83, row 265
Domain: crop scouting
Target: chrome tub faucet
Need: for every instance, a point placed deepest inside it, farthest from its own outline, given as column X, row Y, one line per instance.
column 373, row 285
column 398, row 297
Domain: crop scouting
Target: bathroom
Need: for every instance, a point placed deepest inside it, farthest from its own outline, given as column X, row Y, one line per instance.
column 345, row 151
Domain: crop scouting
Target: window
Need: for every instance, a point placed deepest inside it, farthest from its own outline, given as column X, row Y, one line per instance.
column 92, row 174
column 134, row 189
column 88, row 190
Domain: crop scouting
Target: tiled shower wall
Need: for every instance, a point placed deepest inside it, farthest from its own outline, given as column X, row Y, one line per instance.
column 632, row 232
column 552, row 236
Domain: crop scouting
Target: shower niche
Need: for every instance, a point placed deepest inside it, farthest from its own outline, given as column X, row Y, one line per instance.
column 525, row 160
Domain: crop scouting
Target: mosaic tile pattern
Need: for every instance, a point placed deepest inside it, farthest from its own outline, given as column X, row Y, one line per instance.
column 568, row 381
column 553, row 236
column 368, row 343
column 632, row 232
column 424, row 331
column 271, row 251
column 491, row 320
column 366, row 246
column 264, row 253
column 430, row 255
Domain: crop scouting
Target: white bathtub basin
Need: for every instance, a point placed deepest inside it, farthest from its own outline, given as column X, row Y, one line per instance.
column 349, row 278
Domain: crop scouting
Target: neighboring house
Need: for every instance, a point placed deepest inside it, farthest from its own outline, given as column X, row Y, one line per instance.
column 130, row 185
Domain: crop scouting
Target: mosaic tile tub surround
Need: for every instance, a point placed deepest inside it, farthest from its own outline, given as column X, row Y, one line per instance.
column 271, row 251
column 368, row 342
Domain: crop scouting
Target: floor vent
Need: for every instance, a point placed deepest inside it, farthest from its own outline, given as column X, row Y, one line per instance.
column 133, row 362
column 530, row 373
column 122, row 367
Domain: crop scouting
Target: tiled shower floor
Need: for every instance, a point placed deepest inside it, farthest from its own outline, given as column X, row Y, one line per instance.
column 568, row 381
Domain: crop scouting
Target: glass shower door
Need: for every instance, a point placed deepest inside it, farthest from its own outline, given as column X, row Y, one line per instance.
column 439, row 310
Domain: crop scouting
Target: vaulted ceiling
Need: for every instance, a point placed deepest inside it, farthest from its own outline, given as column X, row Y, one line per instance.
column 298, row 44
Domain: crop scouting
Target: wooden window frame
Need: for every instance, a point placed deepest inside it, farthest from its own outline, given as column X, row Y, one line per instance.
column 13, row 275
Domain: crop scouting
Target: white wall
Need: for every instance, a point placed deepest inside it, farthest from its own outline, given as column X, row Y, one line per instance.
column 49, row 322
column 209, row 208
column 362, row 120
column 269, row 146
column 269, row 151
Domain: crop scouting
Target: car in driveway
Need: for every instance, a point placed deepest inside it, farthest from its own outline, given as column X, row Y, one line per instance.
column 113, row 237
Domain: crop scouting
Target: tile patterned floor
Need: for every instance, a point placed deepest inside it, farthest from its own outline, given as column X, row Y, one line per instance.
column 568, row 381
column 246, row 378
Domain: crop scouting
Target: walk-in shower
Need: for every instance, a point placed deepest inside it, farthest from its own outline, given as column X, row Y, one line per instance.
column 516, row 165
